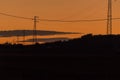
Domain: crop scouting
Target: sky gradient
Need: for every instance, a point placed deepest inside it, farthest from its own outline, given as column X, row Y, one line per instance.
column 62, row 10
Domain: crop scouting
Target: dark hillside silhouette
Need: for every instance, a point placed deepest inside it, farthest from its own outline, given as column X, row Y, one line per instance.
column 91, row 57
column 87, row 44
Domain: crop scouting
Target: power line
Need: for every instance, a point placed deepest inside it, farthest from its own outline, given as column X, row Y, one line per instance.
column 51, row 20
column 115, row 18
column 89, row 20
column 16, row 16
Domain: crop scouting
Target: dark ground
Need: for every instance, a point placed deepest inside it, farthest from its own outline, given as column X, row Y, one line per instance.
column 60, row 68
column 86, row 58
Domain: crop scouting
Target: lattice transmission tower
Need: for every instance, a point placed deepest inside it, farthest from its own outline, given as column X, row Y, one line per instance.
column 109, row 18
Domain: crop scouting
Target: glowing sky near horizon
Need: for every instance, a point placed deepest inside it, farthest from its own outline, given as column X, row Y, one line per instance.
column 62, row 10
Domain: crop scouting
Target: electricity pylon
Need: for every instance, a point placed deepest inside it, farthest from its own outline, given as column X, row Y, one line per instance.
column 109, row 18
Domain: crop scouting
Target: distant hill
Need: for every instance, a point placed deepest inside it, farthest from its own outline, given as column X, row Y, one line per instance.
column 46, row 40
column 11, row 33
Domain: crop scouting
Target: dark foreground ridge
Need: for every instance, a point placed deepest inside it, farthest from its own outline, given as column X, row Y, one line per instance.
column 86, row 45
column 91, row 57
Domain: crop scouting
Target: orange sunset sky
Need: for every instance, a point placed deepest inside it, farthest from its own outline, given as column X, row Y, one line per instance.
column 60, row 10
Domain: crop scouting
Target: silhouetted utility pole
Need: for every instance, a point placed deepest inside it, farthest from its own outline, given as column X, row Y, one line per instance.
column 109, row 18
column 35, row 29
